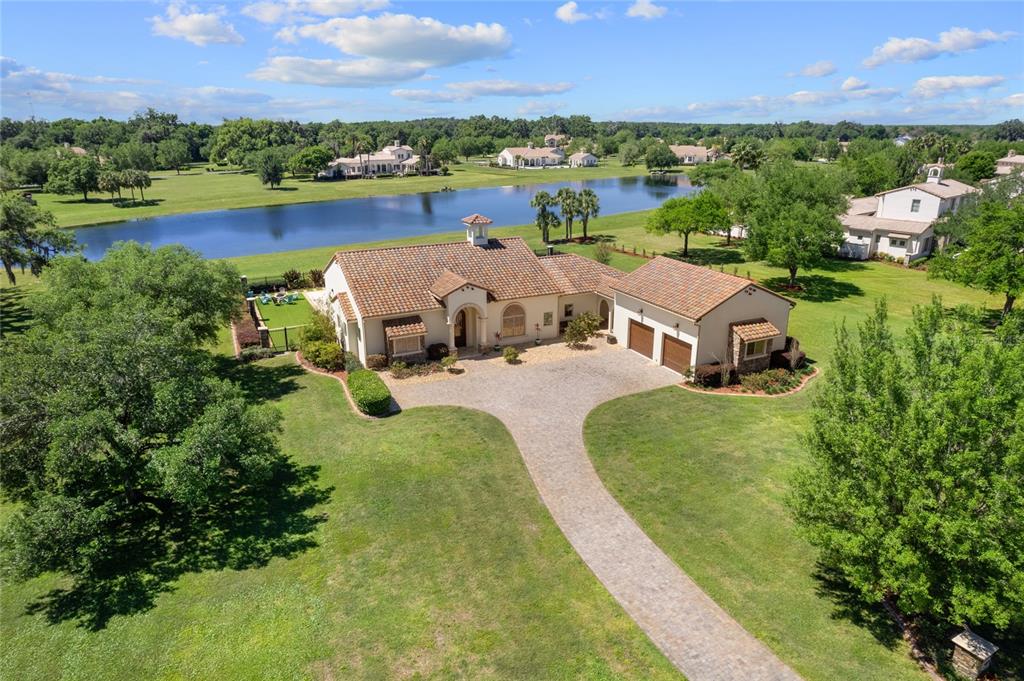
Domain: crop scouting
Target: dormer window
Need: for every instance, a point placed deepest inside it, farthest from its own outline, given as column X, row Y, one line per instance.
column 915, row 206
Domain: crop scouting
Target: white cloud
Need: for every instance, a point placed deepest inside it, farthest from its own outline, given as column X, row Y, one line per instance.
column 933, row 86
column 409, row 39
column 953, row 41
column 570, row 14
column 818, row 69
column 759, row 105
column 186, row 22
column 646, row 9
column 290, row 11
column 469, row 90
column 539, row 108
column 509, row 88
column 853, row 83
column 20, row 77
column 975, row 108
column 337, row 73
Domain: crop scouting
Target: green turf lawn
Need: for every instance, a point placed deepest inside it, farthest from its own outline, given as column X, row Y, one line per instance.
column 435, row 559
column 276, row 317
column 197, row 190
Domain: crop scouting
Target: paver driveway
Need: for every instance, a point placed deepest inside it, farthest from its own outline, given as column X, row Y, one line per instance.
column 543, row 405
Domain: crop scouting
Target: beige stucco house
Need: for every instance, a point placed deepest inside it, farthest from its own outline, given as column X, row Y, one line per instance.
column 397, row 301
column 394, row 159
column 1011, row 163
column 689, row 154
column 530, row 157
column 582, row 159
column 899, row 223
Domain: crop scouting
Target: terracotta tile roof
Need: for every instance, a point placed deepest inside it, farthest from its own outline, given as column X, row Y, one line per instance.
column 576, row 274
column 346, row 307
column 869, row 223
column 759, row 329
column 679, row 287
column 476, row 219
column 397, row 280
column 863, row 205
column 683, row 150
column 604, row 286
column 448, row 282
column 580, row 155
column 404, row 326
column 534, row 152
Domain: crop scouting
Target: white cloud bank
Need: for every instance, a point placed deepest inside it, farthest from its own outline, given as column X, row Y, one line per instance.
column 818, row 69
column 935, row 86
column 569, row 13
column 469, row 90
column 646, row 9
column 292, row 11
column 185, row 22
column 853, row 83
column 953, row 41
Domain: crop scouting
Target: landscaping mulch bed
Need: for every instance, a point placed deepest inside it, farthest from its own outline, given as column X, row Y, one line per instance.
column 740, row 391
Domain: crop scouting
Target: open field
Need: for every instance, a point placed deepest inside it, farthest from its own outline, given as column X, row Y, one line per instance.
column 432, row 557
column 197, row 190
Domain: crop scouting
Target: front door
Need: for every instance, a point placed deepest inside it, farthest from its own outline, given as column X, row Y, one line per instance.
column 460, row 329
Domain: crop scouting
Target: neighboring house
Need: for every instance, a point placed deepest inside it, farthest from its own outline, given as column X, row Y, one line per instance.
column 530, row 157
column 556, row 140
column 472, row 294
column 902, row 140
column 681, row 315
column 898, row 223
column 394, row 159
column 582, row 159
column 1012, row 162
column 689, row 154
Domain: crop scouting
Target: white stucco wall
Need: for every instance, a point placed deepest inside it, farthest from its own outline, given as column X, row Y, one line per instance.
column 662, row 321
column 896, row 205
column 581, row 302
column 856, row 244
column 534, row 307
column 714, row 327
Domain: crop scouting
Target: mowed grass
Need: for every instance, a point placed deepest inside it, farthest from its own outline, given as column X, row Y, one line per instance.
column 276, row 317
column 436, row 559
column 197, row 190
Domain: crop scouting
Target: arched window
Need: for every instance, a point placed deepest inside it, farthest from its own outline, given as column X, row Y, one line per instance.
column 513, row 321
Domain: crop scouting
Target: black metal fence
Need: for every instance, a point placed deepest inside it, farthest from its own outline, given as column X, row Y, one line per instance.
column 286, row 338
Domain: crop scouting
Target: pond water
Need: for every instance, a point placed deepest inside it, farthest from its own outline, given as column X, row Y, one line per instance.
column 250, row 231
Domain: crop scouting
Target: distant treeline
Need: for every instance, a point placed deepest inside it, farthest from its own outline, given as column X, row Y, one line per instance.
column 154, row 139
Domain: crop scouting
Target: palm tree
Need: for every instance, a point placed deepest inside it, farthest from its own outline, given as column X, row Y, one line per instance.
column 567, row 201
column 424, row 152
column 542, row 201
column 587, row 206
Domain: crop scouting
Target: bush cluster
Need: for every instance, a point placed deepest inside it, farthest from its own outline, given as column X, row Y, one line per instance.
column 400, row 369
column 320, row 328
column 511, row 355
column 582, row 328
column 369, row 392
column 352, row 362
column 251, row 354
column 770, row 381
column 245, row 330
column 448, row 363
column 437, row 351
column 326, row 355
column 376, row 362
column 712, row 375
column 293, row 279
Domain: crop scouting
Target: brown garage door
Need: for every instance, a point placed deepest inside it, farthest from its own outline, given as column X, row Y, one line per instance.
column 675, row 354
column 641, row 338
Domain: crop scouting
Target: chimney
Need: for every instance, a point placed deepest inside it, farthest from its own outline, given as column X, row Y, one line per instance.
column 1012, row 152
column 476, row 229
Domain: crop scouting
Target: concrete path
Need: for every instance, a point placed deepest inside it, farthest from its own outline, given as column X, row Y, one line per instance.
column 543, row 404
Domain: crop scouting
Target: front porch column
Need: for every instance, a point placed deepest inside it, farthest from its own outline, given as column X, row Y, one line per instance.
column 451, row 333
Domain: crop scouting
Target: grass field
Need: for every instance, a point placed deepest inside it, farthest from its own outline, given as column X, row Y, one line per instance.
column 434, row 559
column 293, row 314
column 197, row 190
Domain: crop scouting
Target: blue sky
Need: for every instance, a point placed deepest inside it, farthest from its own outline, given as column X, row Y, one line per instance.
column 920, row 62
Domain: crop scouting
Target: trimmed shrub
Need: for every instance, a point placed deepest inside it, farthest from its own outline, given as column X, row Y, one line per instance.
column 603, row 252
column 352, row 362
column 324, row 354
column 399, row 369
column 511, row 355
column 316, row 277
column 437, row 351
column 369, row 392
column 448, row 363
column 582, row 328
column 711, row 375
column 253, row 354
column 319, row 328
column 376, row 362
column 292, row 278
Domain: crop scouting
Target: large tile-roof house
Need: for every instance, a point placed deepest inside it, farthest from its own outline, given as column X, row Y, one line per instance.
column 582, row 159
column 899, row 223
column 689, row 154
column 394, row 159
column 397, row 301
column 530, row 157
column 1012, row 162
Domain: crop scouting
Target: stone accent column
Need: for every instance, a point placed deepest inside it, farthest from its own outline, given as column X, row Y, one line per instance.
column 972, row 654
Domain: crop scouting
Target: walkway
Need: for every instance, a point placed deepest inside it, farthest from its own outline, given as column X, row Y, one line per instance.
column 543, row 404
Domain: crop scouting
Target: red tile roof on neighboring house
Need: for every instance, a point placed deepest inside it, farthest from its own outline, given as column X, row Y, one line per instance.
column 398, row 280
column 684, row 289
column 759, row 329
column 576, row 274
column 404, row 326
column 476, row 219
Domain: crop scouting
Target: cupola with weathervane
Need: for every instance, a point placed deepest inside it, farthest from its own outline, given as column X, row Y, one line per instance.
column 476, row 229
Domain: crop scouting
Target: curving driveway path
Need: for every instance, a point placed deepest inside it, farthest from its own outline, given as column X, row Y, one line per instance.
column 543, row 404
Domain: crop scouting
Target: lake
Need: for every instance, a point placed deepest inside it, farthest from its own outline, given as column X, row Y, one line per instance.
column 250, row 231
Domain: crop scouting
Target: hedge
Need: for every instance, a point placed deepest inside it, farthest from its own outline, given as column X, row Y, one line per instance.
column 369, row 392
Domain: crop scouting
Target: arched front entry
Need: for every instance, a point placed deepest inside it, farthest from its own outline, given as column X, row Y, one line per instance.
column 460, row 329
column 605, row 314
column 465, row 328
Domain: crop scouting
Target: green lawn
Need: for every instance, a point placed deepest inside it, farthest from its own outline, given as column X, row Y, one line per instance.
column 197, row 190
column 435, row 559
column 292, row 314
